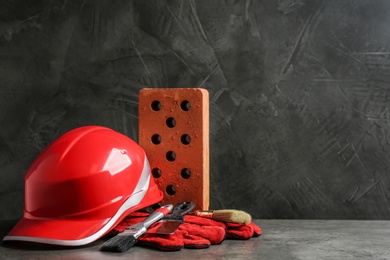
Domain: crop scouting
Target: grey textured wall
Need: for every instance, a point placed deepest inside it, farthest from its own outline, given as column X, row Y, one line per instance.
column 299, row 92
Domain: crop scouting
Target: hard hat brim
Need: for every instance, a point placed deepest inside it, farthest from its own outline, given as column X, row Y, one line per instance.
column 59, row 232
column 76, row 231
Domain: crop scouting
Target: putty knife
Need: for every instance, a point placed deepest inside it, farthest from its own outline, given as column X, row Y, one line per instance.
column 171, row 222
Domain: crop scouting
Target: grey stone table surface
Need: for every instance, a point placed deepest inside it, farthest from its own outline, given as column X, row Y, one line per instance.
column 281, row 239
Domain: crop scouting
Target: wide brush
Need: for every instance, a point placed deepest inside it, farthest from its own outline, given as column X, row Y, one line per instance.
column 123, row 241
column 225, row 215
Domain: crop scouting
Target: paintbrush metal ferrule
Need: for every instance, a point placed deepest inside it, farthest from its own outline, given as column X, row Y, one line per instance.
column 136, row 232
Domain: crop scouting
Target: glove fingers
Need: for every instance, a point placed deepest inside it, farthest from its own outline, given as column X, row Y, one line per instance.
column 214, row 234
column 257, row 230
column 239, row 231
column 160, row 246
column 163, row 242
column 174, row 242
column 195, row 242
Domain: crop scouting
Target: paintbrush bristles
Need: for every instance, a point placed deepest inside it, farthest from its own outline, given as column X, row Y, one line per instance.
column 226, row 215
column 119, row 243
column 231, row 215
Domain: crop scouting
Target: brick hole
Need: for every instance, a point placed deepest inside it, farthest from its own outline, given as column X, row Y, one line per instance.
column 171, row 156
column 156, row 172
column 156, row 139
column 171, row 122
column 185, row 173
column 171, row 190
column 185, row 105
column 185, row 139
column 156, row 105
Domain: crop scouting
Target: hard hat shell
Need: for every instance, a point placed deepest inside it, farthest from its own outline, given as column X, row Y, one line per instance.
column 82, row 185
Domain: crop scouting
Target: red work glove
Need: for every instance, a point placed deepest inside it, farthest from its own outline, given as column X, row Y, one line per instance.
column 242, row 231
column 194, row 232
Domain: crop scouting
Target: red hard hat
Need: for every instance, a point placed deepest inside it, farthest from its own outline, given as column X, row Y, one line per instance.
column 82, row 185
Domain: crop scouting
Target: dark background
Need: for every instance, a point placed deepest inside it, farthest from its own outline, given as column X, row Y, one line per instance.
column 299, row 92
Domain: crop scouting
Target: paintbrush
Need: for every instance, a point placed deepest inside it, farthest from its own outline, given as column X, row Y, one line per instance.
column 225, row 215
column 126, row 239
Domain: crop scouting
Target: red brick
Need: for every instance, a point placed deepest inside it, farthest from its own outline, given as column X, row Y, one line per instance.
column 193, row 156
